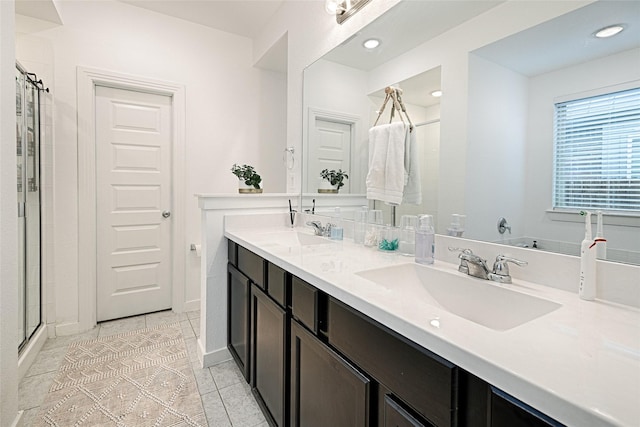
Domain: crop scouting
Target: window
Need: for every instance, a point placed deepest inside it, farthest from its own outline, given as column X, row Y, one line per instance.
column 597, row 152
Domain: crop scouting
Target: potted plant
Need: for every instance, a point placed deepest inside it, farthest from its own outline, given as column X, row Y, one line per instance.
column 249, row 180
column 331, row 180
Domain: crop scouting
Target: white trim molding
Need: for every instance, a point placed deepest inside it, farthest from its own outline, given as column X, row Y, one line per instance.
column 338, row 117
column 87, row 80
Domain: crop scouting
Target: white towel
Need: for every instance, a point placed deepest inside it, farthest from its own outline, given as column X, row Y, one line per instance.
column 386, row 177
column 412, row 189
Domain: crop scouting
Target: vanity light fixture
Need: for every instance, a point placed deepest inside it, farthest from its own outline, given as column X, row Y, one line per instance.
column 436, row 93
column 343, row 9
column 333, row 6
column 371, row 43
column 608, row 31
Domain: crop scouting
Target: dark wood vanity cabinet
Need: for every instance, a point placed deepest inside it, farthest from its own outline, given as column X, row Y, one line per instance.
column 238, row 327
column 269, row 361
column 270, row 344
column 326, row 390
column 314, row 361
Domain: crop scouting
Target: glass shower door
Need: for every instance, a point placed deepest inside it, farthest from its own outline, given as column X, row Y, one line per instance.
column 28, row 178
column 20, row 84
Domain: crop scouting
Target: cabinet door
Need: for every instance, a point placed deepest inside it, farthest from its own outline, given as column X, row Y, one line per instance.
column 507, row 411
column 238, row 288
column 325, row 389
column 270, row 358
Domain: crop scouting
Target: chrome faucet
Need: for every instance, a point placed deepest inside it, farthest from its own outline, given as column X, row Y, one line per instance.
column 475, row 266
column 318, row 229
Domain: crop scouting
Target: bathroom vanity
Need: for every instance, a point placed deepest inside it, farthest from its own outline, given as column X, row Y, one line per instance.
column 322, row 344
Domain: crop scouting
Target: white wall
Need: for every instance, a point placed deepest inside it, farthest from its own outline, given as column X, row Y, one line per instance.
column 8, row 221
column 496, row 142
column 543, row 91
column 230, row 114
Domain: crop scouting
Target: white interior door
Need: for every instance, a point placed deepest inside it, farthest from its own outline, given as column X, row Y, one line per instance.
column 330, row 148
column 133, row 193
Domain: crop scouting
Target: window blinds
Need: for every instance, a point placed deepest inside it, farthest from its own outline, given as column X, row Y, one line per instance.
column 597, row 152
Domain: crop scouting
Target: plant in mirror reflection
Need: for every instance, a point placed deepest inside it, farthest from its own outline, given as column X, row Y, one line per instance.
column 334, row 177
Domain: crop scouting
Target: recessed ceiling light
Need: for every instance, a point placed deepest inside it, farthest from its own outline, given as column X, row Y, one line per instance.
column 371, row 43
column 609, row 31
column 436, row 93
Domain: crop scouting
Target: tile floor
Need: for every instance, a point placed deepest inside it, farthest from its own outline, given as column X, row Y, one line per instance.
column 226, row 397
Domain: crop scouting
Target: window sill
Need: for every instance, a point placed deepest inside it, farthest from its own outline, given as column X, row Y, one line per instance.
column 608, row 217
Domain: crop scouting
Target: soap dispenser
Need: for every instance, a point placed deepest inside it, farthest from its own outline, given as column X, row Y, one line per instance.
column 587, row 289
column 425, row 240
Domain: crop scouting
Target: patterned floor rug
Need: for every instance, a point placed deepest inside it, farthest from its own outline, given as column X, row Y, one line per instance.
column 140, row 378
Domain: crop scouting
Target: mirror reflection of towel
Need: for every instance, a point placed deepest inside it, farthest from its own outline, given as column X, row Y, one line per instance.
column 386, row 176
column 413, row 188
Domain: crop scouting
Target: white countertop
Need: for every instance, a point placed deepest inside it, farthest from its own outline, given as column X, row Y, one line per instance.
column 579, row 364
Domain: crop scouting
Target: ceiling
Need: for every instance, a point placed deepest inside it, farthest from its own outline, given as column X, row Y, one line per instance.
column 243, row 17
column 568, row 39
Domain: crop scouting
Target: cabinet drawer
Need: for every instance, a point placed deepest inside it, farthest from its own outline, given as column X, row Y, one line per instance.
column 426, row 382
column 306, row 304
column 277, row 284
column 251, row 265
column 397, row 416
column 507, row 411
column 232, row 253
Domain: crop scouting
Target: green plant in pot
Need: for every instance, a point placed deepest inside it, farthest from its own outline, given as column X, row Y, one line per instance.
column 249, row 179
column 331, row 180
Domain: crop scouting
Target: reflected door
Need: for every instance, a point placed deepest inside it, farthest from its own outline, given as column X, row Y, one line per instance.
column 330, row 149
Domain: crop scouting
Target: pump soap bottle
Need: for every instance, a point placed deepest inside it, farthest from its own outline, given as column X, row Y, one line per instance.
column 587, row 289
column 424, row 250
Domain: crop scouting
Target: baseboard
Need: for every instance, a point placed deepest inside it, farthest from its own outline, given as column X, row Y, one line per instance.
column 29, row 354
column 192, row 305
column 213, row 357
column 68, row 329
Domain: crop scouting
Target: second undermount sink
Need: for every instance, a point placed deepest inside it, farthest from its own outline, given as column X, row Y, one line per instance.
column 294, row 238
column 483, row 302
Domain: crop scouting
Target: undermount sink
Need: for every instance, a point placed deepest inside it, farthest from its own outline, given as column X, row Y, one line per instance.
column 294, row 238
column 483, row 302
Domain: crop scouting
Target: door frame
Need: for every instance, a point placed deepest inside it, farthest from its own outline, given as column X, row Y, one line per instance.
column 315, row 113
column 87, row 80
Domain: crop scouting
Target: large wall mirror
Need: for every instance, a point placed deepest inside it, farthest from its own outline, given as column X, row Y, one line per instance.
column 487, row 144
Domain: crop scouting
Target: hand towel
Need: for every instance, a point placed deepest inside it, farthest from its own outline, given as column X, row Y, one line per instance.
column 386, row 176
column 412, row 190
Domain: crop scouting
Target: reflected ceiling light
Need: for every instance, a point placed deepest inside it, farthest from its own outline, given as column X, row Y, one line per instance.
column 371, row 43
column 436, row 93
column 609, row 31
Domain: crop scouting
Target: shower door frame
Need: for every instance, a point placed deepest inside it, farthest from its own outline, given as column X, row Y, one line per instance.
column 29, row 184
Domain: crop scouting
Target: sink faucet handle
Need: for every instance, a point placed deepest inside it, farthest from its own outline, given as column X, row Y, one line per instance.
column 501, row 268
column 463, row 267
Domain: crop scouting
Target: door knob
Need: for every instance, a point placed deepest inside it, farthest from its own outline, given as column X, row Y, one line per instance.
column 166, row 214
